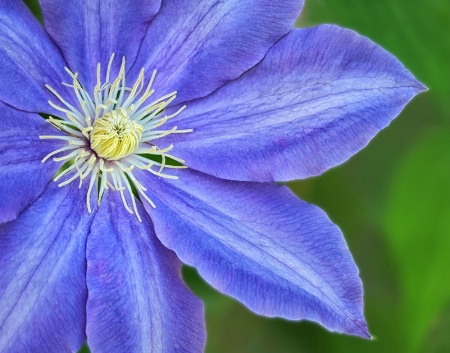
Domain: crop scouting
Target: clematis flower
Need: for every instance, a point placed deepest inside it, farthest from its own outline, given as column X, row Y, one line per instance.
column 139, row 135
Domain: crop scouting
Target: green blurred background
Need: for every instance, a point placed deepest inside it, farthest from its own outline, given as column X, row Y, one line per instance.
column 392, row 201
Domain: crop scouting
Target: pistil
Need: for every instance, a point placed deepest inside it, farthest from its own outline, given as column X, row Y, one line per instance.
column 115, row 136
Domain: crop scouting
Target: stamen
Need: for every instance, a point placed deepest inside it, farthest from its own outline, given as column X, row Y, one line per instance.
column 108, row 134
column 115, row 136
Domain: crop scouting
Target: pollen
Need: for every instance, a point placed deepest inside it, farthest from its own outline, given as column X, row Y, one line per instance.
column 110, row 132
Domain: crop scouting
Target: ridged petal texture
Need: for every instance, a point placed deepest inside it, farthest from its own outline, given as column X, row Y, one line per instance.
column 28, row 59
column 317, row 98
column 263, row 246
column 198, row 45
column 88, row 32
column 23, row 175
column 137, row 300
column 42, row 284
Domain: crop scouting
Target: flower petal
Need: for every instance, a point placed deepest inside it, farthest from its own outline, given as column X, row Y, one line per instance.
column 137, row 300
column 198, row 45
column 42, row 286
column 89, row 32
column 260, row 244
column 23, row 176
column 317, row 98
column 28, row 59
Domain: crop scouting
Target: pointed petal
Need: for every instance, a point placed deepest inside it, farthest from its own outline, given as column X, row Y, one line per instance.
column 28, row 59
column 260, row 244
column 42, row 286
column 90, row 31
column 23, row 176
column 198, row 45
column 317, row 98
column 137, row 299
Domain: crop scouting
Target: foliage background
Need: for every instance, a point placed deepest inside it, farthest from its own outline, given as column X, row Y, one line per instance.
column 392, row 201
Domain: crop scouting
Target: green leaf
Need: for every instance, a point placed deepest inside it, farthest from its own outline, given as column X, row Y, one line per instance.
column 418, row 232
column 33, row 5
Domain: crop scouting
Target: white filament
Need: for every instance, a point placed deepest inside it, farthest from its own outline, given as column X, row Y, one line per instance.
column 110, row 133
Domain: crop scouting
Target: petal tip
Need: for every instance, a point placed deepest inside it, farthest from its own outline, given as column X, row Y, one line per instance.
column 418, row 86
column 360, row 329
column 421, row 87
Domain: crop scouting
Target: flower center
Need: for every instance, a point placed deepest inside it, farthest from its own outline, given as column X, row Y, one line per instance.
column 115, row 136
column 111, row 132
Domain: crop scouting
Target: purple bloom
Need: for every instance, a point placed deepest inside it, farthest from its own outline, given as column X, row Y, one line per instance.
column 175, row 121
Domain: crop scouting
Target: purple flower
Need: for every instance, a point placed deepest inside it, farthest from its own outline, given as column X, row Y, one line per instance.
column 176, row 119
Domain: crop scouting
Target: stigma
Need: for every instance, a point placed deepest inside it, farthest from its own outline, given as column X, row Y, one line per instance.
column 111, row 132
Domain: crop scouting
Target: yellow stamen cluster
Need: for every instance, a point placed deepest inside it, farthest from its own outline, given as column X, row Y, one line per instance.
column 115, row 136
column 110, row 133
